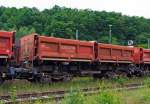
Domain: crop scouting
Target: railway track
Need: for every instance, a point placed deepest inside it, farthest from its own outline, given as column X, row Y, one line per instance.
column 58, row 95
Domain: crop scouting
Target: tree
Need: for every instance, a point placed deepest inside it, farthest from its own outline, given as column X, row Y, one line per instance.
column 24, row 31
column 63, row 22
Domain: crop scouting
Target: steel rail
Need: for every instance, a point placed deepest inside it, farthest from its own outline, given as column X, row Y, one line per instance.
column 58, row 95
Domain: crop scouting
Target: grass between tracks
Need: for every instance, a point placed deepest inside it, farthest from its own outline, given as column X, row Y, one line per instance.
column 141, row 96
column 76, row 83
column 138, row 96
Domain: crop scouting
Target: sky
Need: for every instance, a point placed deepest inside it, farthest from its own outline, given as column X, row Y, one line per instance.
column 126, row 7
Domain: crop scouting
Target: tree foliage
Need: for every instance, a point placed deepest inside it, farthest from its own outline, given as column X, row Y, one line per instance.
column 63, row 22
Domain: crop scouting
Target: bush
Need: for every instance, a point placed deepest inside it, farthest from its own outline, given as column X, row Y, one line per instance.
column 74, row 98
column 147, row 82
column 1, row 102
column 14, row 94
column 107, row 97
column 120, row 80
column 38, row 102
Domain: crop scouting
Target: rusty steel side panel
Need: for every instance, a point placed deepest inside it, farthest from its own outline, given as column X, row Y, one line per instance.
column 6, row 44
column 50, row 48
column 17, row 52
column 137, row 57
column 146, row 56
column 115, row 53
column 27, row 47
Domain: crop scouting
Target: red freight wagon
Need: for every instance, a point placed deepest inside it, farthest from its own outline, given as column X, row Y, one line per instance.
column 117, row 60
column 6, row 44
column 51, row 48
column 56, row 56
column 6, row 51
column 65, row 49
column 115, row 53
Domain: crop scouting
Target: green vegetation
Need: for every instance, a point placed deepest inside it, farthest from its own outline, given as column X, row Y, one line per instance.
column 140, row 96
column 13, row 87
column 74, row 98
column 1, row 102
column 63, row 22
column 121, row 80
column 147, row 82
column 104, row 97
column 38, row 102
column 107, row 97
column 13, row 94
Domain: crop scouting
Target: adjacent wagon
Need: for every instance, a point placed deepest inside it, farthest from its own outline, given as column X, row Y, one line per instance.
column 6, row 51
column 115, row 60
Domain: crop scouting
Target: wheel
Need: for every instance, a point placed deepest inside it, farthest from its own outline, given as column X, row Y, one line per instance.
column 45, row 79
column 122, row 74
column 67, row 77
column 139, row 72
column 110, row 75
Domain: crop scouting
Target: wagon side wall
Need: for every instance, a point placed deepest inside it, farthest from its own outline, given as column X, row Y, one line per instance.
column 115, row 53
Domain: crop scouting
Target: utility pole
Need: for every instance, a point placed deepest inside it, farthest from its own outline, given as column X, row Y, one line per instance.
column 148, row 44
column 77, row 34
column 110, row 37
column 52, row 34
